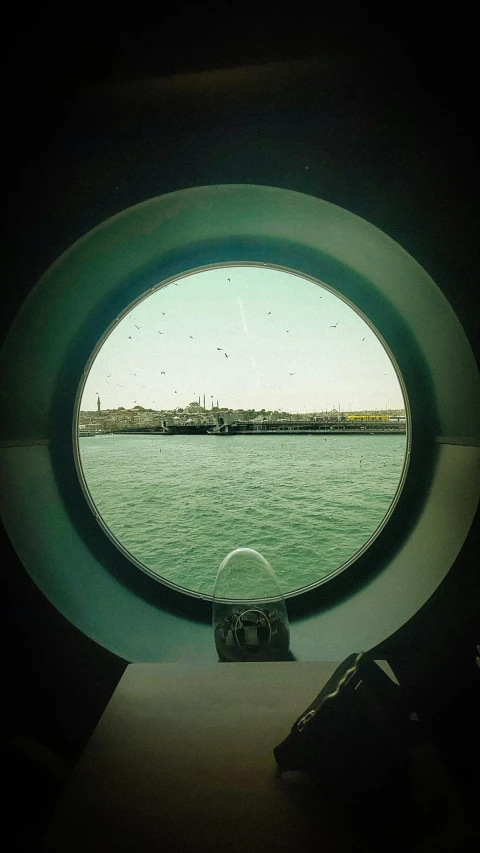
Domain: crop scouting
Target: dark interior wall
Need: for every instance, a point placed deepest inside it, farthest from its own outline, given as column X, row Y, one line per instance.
column 384, row 121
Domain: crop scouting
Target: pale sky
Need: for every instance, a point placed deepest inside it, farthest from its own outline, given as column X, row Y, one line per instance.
column 253, row 337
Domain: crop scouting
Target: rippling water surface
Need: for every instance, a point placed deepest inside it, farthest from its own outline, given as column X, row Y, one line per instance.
column 180, row 504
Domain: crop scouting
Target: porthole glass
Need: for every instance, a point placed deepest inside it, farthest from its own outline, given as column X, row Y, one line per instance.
column 242, row 406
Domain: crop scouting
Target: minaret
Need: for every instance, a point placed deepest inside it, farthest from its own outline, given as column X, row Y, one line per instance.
column 98, row 405
column 217, row 404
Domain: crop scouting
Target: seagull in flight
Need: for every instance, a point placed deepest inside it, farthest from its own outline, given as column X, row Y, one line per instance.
column 129, row 337
column 137, row 327
column 226, row 356
column 292, row 374
column 228, row 279
column 162, row 372
column 335, row 326
column 219, row 348
column 190, row 337
column 269, row 312
column 160, row 333
column 163, row 312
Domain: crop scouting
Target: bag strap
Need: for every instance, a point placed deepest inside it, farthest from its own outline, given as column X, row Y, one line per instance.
column 331, row 689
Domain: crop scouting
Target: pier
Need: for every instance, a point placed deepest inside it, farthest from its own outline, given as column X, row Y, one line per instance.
column 228, row 426
column 314, row 427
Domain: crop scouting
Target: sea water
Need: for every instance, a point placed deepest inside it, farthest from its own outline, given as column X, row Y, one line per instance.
column 180, row 503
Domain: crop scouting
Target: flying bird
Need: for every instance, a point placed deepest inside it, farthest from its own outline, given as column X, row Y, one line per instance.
column 269, row 312
column 160, row 333
column 190, row 337
column 219, row 348
column 137, row 327
column 226, row 356
column 335, row 326
column 162, row 372
column 363, row 339
column 292, row 374
column 163, row 312
column 228, row 279
column 129, row 337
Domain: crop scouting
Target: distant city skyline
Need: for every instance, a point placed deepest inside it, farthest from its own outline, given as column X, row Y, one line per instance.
column 251, row 337
column 227, row 408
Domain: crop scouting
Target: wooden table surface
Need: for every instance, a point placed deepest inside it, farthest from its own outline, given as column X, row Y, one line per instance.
column 182, row 760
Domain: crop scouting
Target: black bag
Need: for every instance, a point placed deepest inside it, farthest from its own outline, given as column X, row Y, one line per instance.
column 355, row 736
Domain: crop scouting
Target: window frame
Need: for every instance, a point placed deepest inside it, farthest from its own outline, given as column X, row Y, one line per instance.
column 88, row 287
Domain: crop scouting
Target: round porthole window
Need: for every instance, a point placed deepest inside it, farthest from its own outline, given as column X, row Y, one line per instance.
column 242, row 406
column 354, row 282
